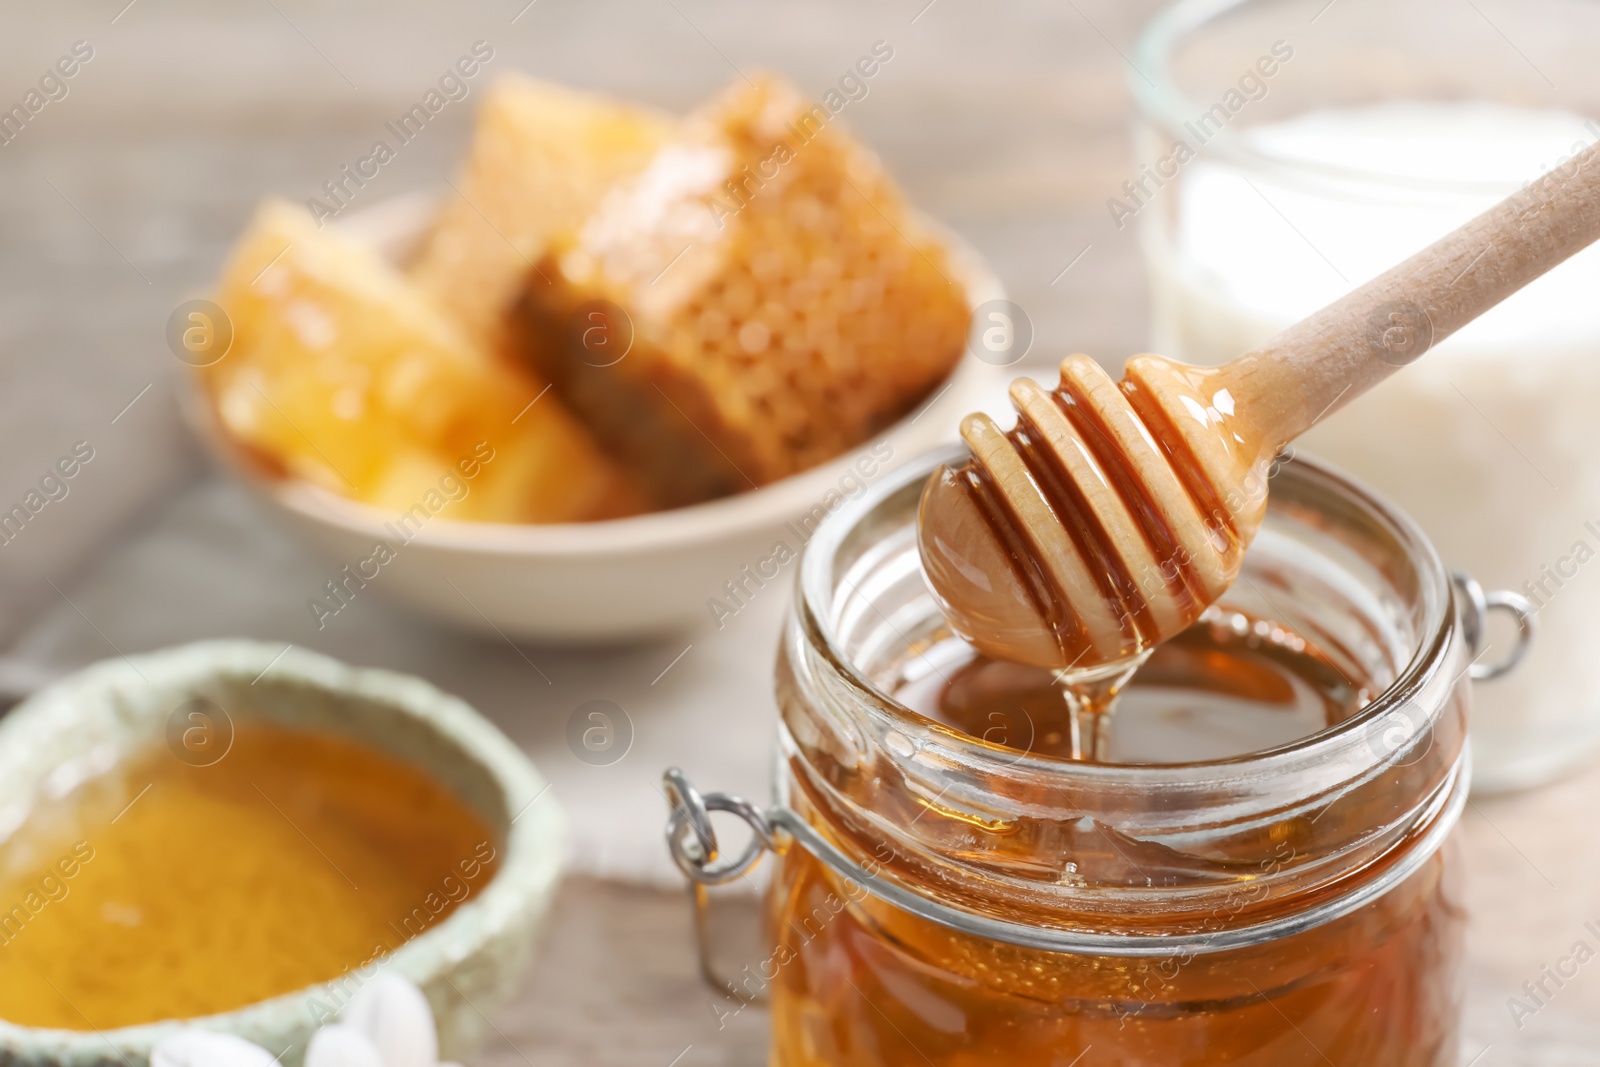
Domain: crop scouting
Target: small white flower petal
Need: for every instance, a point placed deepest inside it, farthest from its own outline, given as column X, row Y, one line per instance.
column 341, row 1046
column 207, row 1048
column 395, row 1017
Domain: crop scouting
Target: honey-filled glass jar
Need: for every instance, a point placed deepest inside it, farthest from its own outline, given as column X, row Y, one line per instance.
column 1255, row 871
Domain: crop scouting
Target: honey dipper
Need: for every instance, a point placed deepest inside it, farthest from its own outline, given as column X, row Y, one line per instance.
column 1113, row 513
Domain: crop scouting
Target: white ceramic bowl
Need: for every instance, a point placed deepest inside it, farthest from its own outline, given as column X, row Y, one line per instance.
column 612, row 580
column 467, row 965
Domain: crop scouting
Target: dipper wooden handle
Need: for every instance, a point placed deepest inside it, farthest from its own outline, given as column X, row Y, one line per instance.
column 1112, row 514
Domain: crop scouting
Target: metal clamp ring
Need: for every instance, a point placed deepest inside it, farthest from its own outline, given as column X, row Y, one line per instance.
column 1014, row 932
column 1474, row 616
column 696, row 853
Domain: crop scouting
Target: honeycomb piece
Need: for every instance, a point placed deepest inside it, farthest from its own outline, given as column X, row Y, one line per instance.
column 541, row 158
column 757, row 300
column 343, row 374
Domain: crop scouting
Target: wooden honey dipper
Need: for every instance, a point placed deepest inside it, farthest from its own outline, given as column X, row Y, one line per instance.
column 1113, row 513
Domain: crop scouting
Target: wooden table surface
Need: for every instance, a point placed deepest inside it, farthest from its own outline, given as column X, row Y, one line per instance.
column 1011, row 124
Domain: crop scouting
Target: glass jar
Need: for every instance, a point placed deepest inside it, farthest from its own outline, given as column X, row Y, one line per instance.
column 1289, row 151
column 945, row 899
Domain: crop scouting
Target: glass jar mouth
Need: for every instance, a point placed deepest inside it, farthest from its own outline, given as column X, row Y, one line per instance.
column 1164, row 103
column 1340, row 744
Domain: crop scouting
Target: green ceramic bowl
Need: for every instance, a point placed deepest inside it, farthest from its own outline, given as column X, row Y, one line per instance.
column 468, row 965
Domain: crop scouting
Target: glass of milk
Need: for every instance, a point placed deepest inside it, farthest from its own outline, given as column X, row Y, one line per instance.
column 1288, row 152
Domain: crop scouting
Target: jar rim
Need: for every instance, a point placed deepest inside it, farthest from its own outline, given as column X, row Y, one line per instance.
column 1436, row 629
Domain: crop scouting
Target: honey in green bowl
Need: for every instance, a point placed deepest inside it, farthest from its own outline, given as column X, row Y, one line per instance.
column 163, row 890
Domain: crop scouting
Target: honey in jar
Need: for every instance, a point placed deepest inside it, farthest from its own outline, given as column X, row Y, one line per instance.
column 1247, row 865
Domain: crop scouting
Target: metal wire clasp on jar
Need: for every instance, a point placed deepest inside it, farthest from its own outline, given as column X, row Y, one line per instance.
column 938, row 898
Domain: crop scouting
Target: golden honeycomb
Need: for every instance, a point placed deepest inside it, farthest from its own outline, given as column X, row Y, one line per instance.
column 346, row 375
column 757, row 300
column 541, row 157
